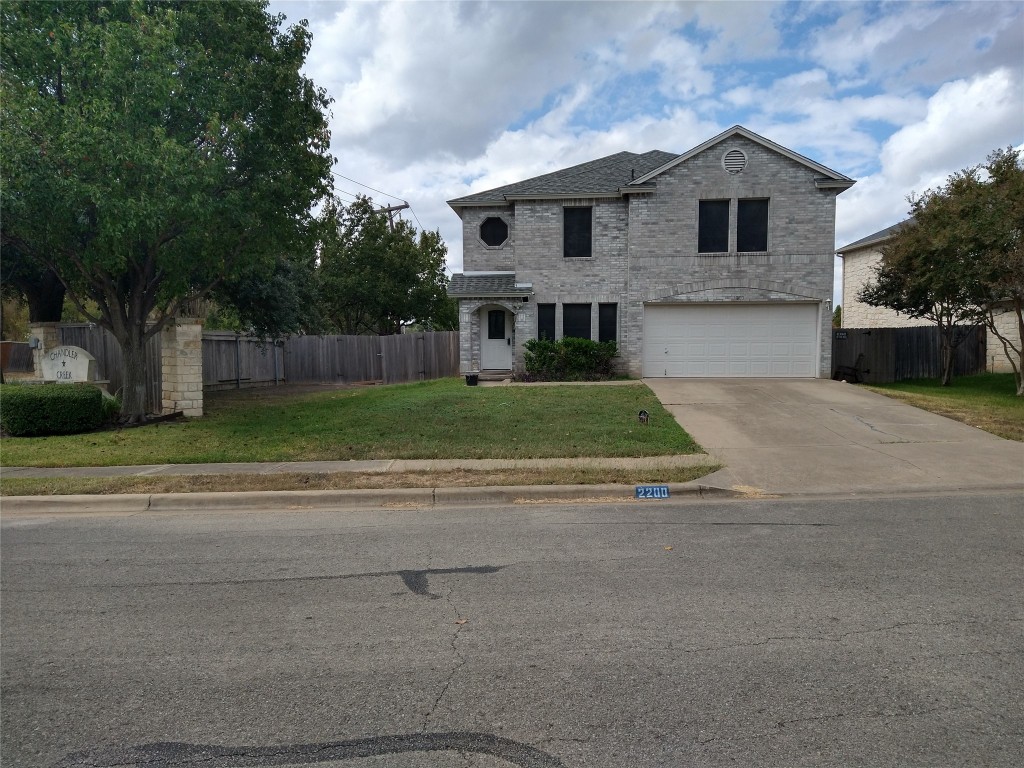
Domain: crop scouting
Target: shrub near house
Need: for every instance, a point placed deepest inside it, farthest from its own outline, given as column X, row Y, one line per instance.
column 568, row 359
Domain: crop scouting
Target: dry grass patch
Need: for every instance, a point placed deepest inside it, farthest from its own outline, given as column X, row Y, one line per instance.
column 342, row 481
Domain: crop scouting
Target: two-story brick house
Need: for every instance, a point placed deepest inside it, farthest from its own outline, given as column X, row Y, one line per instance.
column 715, row 262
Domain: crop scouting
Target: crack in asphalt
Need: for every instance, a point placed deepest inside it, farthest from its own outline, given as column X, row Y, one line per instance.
column 171, row 754
column 460, row 661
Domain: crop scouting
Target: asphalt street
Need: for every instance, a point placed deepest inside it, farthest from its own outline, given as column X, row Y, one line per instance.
column 849, row 632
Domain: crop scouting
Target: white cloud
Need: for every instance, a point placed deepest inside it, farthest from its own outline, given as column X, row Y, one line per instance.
column 965, row 120
column 908, row 45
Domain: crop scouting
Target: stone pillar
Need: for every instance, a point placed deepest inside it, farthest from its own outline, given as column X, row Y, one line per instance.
column 48, row 335
column 181, row 362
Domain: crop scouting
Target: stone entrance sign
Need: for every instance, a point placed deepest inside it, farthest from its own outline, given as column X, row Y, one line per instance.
column 68, row 364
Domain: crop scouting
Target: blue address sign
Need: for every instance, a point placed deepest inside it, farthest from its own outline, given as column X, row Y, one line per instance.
column 652, row 491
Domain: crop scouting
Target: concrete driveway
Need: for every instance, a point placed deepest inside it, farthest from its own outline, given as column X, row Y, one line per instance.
column 822, row 436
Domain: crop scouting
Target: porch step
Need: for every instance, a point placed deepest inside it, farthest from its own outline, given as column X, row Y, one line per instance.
column 495, row 375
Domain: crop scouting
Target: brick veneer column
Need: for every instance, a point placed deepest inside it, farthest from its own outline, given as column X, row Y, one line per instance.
column 181, row 358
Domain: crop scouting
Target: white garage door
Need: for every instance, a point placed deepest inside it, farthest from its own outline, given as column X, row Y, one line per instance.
column 731, row 340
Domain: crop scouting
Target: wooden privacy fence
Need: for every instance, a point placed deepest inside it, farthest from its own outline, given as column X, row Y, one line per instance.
column 101, row 344
column 233, row 361
column 230, row 361
column 895, row 354
column 16, row 357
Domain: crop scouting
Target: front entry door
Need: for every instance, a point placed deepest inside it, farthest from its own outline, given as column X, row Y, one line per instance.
column 496, row 341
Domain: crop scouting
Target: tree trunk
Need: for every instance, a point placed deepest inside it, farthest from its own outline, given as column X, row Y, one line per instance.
column 946, row 356
column 45, row 297
column 133, row 388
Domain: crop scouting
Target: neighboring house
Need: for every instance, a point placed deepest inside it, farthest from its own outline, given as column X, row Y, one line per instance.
column 715, row 262
column 860, row 258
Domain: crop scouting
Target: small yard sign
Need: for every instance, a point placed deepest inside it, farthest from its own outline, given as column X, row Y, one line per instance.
column 652, row 491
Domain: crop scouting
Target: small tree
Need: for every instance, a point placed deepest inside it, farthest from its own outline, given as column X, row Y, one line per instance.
column 961, row 260
column 994, row 214
column 837, row 317
column 925, row 267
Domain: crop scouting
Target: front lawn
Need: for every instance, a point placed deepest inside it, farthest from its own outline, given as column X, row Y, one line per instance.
column 987, row 401
column 442, row 419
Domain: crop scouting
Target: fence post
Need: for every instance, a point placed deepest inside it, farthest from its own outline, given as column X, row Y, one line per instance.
column 419, row 352
column 238, row 361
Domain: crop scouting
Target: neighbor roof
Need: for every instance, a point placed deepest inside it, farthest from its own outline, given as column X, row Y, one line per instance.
column 602, row 177
column 873, row 239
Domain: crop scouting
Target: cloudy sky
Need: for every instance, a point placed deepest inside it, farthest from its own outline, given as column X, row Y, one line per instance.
column 434, row 100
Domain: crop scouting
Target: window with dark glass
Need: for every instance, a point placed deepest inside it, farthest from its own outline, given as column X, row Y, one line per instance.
column 752, row 226
column 576, row 232
column 607, row 325
column 496, row 324
column 576, row 321
column 493, row 231
column 546, row 321
column 713, row 226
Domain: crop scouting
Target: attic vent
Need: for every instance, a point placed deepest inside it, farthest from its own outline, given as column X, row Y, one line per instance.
column 734, row 161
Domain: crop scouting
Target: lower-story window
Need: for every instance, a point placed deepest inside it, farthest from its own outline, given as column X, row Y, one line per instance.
column 576, row 321
column 607, row 322
column 546, row 321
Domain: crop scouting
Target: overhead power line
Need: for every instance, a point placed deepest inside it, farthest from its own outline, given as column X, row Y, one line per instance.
column 346, row 178
column 382, row 192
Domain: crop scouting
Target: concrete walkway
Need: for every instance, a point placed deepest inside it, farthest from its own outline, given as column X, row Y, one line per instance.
column 816, row 436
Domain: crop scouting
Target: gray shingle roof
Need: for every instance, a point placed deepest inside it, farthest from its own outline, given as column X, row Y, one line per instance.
column 603, row 176
column 492, row 284
column 878, row 237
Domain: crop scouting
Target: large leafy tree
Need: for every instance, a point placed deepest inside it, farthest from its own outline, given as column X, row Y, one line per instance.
column 155, row 153
column 377, row 275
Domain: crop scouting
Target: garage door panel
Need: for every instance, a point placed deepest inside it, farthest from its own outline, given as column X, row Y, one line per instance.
column 719, row 340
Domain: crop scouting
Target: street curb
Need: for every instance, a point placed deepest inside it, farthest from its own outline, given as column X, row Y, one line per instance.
column 396, row 498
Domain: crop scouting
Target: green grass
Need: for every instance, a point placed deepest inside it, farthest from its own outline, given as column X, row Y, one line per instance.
column 429, row 420
column 987, row 401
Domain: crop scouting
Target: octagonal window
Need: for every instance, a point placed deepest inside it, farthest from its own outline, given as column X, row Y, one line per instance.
column 493, row 231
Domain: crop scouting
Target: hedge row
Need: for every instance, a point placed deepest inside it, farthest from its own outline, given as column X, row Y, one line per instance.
column 568, row 359
column 50, row 409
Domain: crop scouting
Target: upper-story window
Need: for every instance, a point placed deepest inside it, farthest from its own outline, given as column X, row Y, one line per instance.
column 577, row 228
column 493, row 231
column 713, row 226
column 751, row 226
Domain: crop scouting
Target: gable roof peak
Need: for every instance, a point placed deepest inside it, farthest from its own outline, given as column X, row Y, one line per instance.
column 831, row 178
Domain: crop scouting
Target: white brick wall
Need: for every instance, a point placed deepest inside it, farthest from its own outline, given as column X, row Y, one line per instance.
column 858, row 270
column 997, row 360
